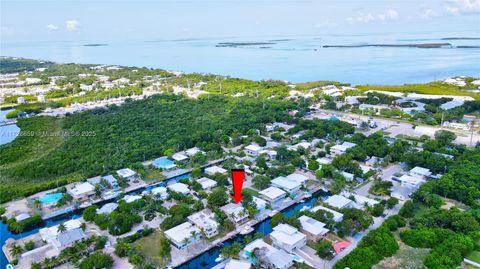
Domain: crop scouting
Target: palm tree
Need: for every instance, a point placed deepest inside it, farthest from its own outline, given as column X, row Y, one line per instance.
column 61, row 228
column 194, row 234
column 37, row 204
column 15, row 251
column 186, row 241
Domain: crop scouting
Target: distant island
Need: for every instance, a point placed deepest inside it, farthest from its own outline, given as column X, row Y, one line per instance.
column 422, row 46
column 95, row 45
column 461, row 38
column 242, row 44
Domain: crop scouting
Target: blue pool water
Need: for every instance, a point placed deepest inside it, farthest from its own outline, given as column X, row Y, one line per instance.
column 51, row 198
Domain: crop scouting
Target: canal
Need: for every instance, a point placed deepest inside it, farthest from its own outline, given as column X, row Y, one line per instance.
column 207, row 259
column 204, row 261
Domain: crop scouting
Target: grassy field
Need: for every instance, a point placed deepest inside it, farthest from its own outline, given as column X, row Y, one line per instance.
column 149, row 246
column 474, row 256
column 251, row 191
column 152, row 175
column 436, row 88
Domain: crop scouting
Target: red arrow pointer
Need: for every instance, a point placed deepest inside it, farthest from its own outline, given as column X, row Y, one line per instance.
column 238, row 175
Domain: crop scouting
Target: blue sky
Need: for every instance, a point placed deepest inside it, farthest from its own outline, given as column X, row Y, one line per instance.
column 26, row 21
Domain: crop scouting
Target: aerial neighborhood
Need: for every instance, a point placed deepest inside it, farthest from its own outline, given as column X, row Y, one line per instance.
column 333, row 174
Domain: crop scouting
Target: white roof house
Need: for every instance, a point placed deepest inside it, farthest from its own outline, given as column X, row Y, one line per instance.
column 235, row 212
column 131, row 198
column 287, row 237
column 348, row 176
column 205, row 220
column 297, row 178
column 410, row 181
column 340, row 149
column 273, row 195
column 60, row 240
column 313, row 227
column 257, row 243
column 304, row 145
column 280, row 259
column 259, row 203
column 22, row 216
column 126, row 173
column 324, row 160
column 212, row 170
column 337, row 216
column 237, row 264
column 107, row 208
column 192, row 151
column 288, row 185
column 339, row 201
column 81, row 190
column 179, row 187
column 362, row 201
column 253, row 149
column 181, row 235
column 160, row 192
column 207, row 183
column 179, row 157
column 420, row 171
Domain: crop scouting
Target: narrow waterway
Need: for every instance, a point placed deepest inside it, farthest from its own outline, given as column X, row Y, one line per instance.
column 7, row 133
column 5, row 233
column 203, row 261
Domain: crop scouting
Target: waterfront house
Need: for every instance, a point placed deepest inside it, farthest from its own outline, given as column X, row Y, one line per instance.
column 107, row 208
column 82, row 191
column 237, row 264
column 277, row 258
column 235, row 212
column 290, row 186
column 212, row 170
column 164, row 163
column 260, row 204
column 205, row 221
column 183, row 235
column 337, row 216
column 312, row 228
column 126, row 174
column 287, row 237
column 131, row 198
column 112, row 182
column 179, row 187
column 302, row 179
column 363, row 201
column 207, row 184
column 61, row 240
column 160, row 192
column 274, row 196
column 339, row 201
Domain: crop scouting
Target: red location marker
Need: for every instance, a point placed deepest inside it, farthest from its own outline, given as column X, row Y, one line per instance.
column 238, row 176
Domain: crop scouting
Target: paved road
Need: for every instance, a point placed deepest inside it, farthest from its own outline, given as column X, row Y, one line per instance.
column 395, row 127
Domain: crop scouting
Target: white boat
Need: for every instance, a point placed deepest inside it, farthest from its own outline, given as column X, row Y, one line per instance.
column 219, row 258
column 307, row 195
column 305, row 207
column 246, row 230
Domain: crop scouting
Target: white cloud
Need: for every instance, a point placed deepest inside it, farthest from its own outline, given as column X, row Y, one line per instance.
column 458, row 7
column 389, row 15
column 72, row 25
column 52, row 27
column 428, row 13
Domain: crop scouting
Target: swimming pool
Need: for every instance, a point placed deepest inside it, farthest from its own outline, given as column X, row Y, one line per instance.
column 51, row 198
